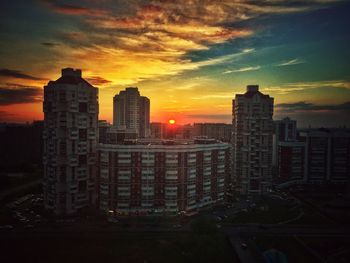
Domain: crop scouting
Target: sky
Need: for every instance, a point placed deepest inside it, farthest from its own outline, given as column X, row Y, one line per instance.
column 190, row 57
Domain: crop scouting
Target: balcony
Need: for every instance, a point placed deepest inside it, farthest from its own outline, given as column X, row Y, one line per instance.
column 73, row 160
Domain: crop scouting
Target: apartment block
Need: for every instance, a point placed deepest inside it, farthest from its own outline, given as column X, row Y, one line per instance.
column 70, row 143
column 252, row 141
column 162, row 176
column 131, row 112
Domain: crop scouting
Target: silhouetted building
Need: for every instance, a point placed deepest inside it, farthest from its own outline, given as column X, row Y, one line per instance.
column 286, row 129
column 252, row 141
column 187, row 131
column 70, row 143
column 219, row 131
column 157, row 130
column 131, row 112
column 171, row 131
column 162, row 176
column 103, row 127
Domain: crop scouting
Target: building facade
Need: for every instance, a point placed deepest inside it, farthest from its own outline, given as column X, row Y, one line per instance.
column 285, row 130
column 317, row 156
column 252, row 141
column 161, row 176
column 291, row 162
column 131, row 112
column 327, row 155
column 70, row 143
column 288, row 156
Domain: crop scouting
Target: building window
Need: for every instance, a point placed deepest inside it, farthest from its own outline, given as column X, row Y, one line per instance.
column 73, row 147
column 82, row 134
column 62, row 198
column 62, row 174
column 82, row 186
column 63, row 148
column 62, row 96
column 73, row 174
column 82, row 107
column 82, row 159
column 63, row 120
column 91, row 121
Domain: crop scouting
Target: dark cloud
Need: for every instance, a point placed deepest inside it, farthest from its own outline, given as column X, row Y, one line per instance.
column 69, row 9
column 20, row 94
column 50, row 44
column 305, row 106
column 301, row 105
column 17, row 74
column 96, row 80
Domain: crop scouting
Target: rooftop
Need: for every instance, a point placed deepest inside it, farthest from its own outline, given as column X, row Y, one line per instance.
column 150, row 142
column 71, row 76
column 251, row 91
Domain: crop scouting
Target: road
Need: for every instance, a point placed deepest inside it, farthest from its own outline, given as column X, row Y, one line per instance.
column 282, row 230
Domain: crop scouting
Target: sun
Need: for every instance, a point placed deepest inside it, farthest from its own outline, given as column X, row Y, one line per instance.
column 172, row 122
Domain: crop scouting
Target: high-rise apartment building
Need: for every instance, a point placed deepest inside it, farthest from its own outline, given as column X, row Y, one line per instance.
column 252, row 141
column 70, row 143
column 132, row 112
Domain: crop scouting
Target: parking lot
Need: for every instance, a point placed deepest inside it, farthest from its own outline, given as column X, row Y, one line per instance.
column 24, row 212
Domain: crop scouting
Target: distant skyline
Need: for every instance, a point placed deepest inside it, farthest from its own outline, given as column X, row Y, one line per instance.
column 189, row 57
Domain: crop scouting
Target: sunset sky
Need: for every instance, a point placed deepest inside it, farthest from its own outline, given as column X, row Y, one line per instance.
column 190, row 57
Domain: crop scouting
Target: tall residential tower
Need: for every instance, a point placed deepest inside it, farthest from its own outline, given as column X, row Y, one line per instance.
column 70, row 143
column 252, row 141
column 132, row 112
